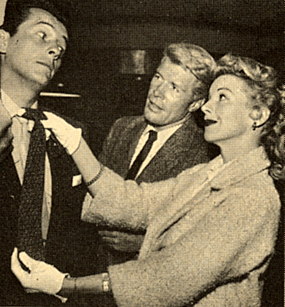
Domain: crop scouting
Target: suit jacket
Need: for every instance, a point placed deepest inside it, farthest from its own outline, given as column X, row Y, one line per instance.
column 71, row 244
column 184, row 149
column 209, row 248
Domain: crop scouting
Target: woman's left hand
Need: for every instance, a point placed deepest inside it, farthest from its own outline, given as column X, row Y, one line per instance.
column 39, row 277
column 66, row 134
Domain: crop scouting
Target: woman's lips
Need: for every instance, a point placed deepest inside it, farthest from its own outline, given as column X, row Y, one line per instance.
column 209, row 122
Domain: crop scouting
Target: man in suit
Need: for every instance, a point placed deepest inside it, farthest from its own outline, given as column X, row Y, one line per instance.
column 6, row 135
column 33, row 39
column 177, row 89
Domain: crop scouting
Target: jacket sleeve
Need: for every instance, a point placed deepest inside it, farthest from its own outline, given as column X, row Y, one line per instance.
column 230, row 241
column 128, row 205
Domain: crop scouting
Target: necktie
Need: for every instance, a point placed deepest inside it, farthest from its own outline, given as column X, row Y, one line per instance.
column 30, row 208
column 141, row 156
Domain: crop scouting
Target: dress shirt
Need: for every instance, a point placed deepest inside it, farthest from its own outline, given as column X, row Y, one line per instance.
column 163, row 134
column 20, row 151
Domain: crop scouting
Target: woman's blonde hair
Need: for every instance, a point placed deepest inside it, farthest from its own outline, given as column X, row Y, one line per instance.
column 262, row 80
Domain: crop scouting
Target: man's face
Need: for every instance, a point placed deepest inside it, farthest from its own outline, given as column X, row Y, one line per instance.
column 170, row 94
column 34, row 52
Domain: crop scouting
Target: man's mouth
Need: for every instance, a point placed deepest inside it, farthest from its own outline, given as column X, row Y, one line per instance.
column 153, row 105
column 209, row 122
column 46, row 65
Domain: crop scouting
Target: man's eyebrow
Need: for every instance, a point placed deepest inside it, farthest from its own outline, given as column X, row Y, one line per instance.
column 51, row 25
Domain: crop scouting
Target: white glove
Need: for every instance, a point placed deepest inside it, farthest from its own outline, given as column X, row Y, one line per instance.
column 67, row 135
column 41, row 278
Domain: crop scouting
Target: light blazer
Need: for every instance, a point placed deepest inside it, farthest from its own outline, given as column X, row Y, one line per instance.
column 71, row 244
column 184, row 149
column 209, row 250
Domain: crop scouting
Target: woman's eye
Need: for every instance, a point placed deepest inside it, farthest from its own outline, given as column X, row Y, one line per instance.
column 222, row 97
column 42, row 34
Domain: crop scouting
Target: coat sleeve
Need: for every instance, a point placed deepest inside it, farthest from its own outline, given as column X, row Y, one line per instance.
column 128, row 205
column 208, row 255
column 125, row 204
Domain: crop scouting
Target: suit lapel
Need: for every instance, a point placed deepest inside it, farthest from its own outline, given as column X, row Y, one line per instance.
column 126, row 146
column 172, row 212
column 248, row 165
column 9, row 176
column 180, row 141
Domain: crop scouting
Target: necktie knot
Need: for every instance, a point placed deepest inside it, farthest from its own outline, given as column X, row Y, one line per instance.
column 34, row 114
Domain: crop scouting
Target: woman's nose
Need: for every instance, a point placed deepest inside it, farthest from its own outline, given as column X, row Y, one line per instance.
column 206, row 107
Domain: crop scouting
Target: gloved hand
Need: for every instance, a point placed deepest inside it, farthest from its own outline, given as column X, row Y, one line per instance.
column 67, row 135
column 42, row 276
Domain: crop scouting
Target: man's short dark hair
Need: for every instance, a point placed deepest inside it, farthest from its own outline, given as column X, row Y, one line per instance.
column 17, row 11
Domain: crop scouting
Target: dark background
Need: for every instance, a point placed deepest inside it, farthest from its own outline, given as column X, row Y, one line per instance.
column 102, row 30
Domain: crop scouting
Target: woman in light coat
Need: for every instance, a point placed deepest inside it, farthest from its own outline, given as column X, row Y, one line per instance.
column 211, row 230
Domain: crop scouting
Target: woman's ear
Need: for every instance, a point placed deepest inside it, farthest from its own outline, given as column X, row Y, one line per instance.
column 260, row 115
column 194, row 106
column 4, row 39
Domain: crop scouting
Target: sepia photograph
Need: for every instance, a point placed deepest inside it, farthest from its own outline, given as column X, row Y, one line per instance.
column 142, row 153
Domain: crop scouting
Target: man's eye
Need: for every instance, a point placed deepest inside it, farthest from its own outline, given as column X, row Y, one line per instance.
column 175, row 88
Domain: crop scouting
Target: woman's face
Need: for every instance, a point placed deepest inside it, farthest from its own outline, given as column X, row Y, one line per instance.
column 227, row 111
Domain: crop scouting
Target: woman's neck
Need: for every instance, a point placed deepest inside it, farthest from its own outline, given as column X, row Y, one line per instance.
column 233, row 151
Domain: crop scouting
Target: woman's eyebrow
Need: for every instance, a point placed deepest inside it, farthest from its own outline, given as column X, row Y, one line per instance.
column 224, row 88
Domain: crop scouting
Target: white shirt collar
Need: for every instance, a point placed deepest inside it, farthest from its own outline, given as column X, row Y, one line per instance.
column 165, row 128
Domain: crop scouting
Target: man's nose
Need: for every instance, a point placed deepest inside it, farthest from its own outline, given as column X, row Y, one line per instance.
column 160, row 89
column 55, row 50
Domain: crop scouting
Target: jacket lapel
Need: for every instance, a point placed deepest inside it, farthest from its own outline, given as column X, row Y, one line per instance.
column 165, row 158
column 9, row 176
column 126, row 145
column 238, row 170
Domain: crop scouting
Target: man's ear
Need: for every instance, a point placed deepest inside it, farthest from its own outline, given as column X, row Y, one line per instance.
column 4, row 39
column 195, row 105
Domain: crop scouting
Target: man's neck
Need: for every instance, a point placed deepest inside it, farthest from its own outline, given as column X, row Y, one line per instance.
column 160, row 128
column 18, row 90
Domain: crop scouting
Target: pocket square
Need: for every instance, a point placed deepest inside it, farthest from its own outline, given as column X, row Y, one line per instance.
column 76, row 180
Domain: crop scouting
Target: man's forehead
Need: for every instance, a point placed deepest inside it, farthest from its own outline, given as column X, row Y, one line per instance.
column 176, row 72
column 38, row 16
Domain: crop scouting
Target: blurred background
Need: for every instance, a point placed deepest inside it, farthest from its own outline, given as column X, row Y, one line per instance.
column 115, row 47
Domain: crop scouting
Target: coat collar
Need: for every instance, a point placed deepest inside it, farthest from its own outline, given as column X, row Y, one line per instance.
column 237, row 170
column 254, row 162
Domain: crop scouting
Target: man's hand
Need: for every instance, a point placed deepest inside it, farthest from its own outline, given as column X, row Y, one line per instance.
column 6, row 135
column 38, row 275
column 122, row 241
